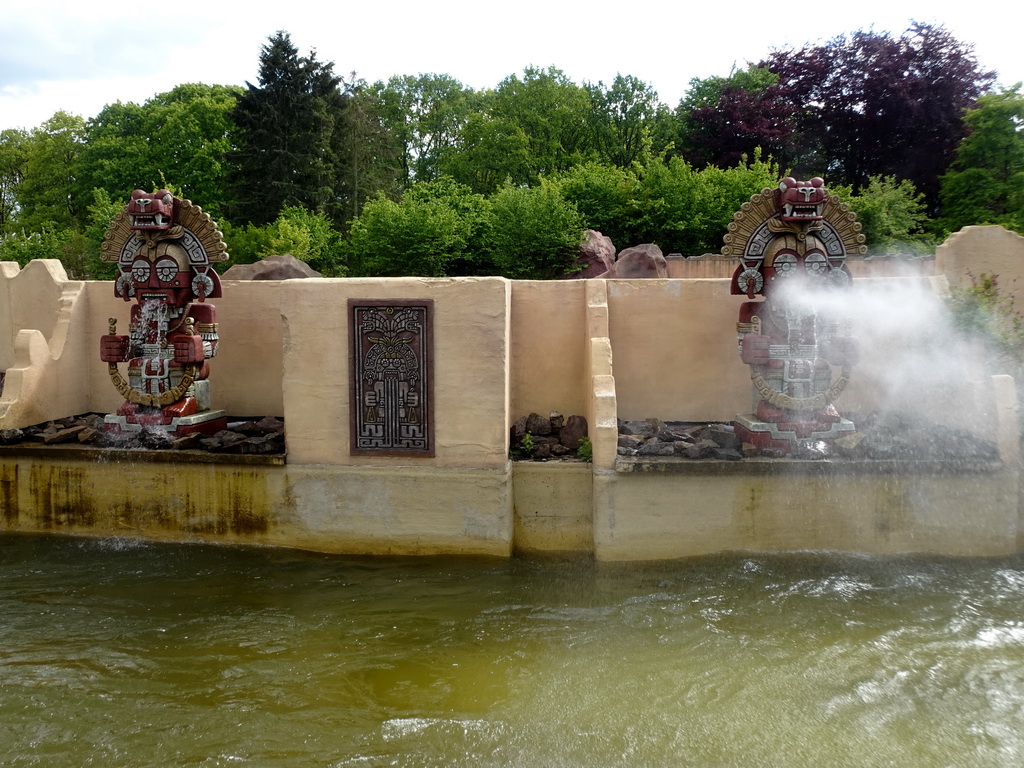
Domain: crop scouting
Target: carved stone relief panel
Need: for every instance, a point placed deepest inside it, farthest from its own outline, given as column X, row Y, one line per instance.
column 391, row 377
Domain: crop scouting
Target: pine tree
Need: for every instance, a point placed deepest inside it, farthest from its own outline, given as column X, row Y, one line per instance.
column 290, row 129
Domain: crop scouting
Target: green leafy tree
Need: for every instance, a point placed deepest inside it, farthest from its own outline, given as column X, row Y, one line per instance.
column 985, row 183
column 536, row 231
column 437, row 228
column 623, row 119
column 13, row 157
column 425, row 116
column 892, row 214
column 180, row 137
column 603, row 194
column 47, row 195
column 308, row 236
column 552, row 112
column 491, row 152
column 369, row 157
column 290, row 137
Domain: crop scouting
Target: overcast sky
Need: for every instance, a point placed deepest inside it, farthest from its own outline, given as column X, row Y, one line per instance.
column 79, row 56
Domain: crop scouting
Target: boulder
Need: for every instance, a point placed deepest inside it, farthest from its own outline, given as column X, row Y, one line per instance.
column 641, row 261
column 597, row 255
column 278, row 267
column 575, row 429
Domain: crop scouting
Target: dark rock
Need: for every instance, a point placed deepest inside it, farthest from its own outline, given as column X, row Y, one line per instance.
column 642, row 428
column 277, row 267
column 517, row 431
column 557, row 420
column 850, row 445
column 656, row 448
column 544, row 439
column 186, row 442
column 705, row 449
column 61, row 435
column 573, row 432
column 723, row 435
column 538, row 425
column 559, row 450
column 641, row 261
column 597, row 255
column 631, row 441
column 270, row 424
column 812, row 449
column 9, row 436
column 728, row 454
column 542, row 451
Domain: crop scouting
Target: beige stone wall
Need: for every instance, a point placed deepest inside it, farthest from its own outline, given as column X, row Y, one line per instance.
column 715, row 265
column 345, row 510
column 552, row 507
column 665, row 516
column 471, row 368
column 44, row 354
column 983, row 250
column 674, row 346
column 548, row 335
column 606, row 349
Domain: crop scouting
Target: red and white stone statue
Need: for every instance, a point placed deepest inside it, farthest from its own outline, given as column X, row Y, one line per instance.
column 792, row 243
column 164, row 247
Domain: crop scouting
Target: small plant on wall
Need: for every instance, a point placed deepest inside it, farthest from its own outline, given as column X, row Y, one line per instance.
column 586, row 450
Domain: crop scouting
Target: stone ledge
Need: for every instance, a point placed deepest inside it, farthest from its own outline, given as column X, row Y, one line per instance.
column 761, row 467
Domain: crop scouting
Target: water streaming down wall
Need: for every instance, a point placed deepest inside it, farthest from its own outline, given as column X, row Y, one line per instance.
column 606, row 349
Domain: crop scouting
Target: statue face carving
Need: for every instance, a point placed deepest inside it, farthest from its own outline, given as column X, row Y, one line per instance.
column 161, row 272
column 801, row 200
column 151, row 211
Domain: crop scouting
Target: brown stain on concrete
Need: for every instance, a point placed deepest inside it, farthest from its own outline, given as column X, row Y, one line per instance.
column 177, row 501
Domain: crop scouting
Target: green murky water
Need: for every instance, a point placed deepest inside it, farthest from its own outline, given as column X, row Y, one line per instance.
column 120, row 653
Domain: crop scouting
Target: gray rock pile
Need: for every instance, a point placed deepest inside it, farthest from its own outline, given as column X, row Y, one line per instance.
column 654, row 437
column 255, row 436
column 547, row 437
column 879, row 437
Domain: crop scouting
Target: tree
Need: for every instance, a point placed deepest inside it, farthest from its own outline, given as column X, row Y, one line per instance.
column 491, row 152
column 537, row 232
column 13, row 156
column 722, row 119
column 369, row 157
column 891, row 213
column 985, row 183
column 425, row 115
column 437, row 228
column 47, row 195
column 623, row 119
column 180, row 137
column 290, row 137
column 877, row 105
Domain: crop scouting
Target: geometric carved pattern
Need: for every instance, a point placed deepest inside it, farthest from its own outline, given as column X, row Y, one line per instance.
column 391, row 377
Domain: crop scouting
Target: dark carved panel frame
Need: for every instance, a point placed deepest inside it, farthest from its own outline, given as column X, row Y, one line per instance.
column 391, row 377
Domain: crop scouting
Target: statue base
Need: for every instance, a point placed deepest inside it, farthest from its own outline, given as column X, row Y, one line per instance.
column 767, row 435
column 206, row 422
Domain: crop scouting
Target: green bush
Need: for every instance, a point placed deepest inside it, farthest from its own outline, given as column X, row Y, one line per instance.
column 983, row 314
column 434, row 230
column 536, row 232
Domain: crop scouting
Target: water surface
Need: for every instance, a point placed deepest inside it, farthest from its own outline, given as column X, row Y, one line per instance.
column 123, row 653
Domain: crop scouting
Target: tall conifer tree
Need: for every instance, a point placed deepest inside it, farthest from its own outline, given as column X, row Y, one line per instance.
column 289, row 132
